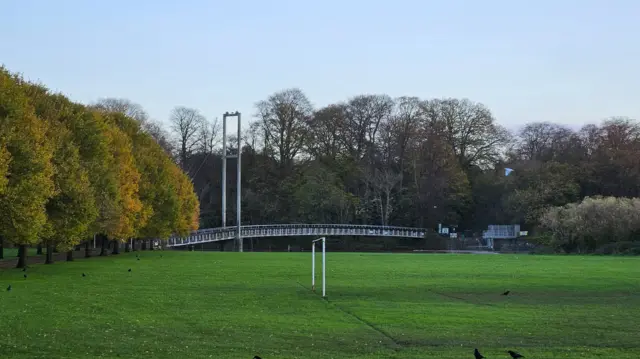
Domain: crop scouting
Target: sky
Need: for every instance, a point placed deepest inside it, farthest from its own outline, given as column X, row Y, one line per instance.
column 565, row 61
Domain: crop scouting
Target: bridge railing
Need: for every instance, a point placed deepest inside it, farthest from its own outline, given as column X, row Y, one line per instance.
column 283, row 230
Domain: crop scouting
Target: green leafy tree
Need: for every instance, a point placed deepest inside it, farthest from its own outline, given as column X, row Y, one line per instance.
column 321, row 199
column 29, row 184
column 188, row 216
column 165, row 200
column 157, row 191
column 125, row 217
column 5, row 158
column 73, row 209
column 540, row 187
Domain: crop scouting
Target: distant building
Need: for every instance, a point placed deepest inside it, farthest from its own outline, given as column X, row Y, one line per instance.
column 501, row 232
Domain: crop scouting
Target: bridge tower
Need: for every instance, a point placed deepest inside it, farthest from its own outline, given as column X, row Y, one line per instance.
column 225, row 156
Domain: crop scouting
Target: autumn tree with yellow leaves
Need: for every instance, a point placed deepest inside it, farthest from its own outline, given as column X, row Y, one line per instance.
column 72, row 209
column 69, row 172
column 157, row 186
column 29, row 175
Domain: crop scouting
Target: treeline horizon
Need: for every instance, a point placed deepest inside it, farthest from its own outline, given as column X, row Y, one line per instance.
column 406, row 161
column 69, row 171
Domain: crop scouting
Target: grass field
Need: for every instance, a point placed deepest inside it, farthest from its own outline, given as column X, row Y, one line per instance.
column 232, row 305
column 13, row 252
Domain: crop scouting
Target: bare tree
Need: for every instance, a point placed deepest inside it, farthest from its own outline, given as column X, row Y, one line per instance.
column 364, row 116
column 253, row 137
column 325, row 130
column 469, row 129
column 620, row 133
column 437, row 177
column 136, row 112
column 382, row 184
column 209, row 135
column 403, row 128
column 159, row 134
column 186, row 124
column 284, row 118
column 541, row 141
column 124, row 106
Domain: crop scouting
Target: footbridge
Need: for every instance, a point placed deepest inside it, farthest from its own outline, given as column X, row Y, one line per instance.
column 293, row 230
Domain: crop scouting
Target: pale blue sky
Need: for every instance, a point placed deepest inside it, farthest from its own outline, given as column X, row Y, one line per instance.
column 563, row 61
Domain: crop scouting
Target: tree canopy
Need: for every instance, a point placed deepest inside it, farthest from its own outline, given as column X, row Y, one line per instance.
column 68, row 171
column 406, row 161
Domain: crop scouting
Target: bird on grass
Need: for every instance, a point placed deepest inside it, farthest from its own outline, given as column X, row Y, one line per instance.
column 129, row 270
column 25, row 276
column 256, row 357
column 24, row 269
column 477, row 354
column 506, row 293
column 138, row 258
column 515, row 355
column 84, row 275
column 9, row 288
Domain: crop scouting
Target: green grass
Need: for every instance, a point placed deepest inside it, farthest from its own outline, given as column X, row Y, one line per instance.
column 12, row 253
column 231, row 305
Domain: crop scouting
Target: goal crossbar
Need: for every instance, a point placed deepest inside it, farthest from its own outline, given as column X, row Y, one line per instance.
column 324, row 265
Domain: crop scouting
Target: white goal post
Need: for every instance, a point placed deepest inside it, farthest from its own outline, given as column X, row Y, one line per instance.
column 324, row 266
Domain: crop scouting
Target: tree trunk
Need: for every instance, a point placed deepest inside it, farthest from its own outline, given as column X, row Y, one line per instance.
column 39, row 251
column 127, row 246
column 144, row 245
column 103, row 245
column 134, row 245
column 116, row 247
column 1, row 248
column 22, row 256
column 70, row 256
column 87, row 249
column 49, row 257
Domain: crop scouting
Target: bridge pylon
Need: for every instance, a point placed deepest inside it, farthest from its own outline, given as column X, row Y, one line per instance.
column 225, row 156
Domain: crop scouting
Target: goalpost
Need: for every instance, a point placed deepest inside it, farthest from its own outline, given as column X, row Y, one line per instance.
column 324, row 266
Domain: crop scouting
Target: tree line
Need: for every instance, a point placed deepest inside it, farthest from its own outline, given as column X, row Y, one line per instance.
column 374, row 159
column 70, row 171
column 370, row 159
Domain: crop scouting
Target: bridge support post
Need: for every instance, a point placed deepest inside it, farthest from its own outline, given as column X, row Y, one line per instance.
column 238, row 156
column 223, row 182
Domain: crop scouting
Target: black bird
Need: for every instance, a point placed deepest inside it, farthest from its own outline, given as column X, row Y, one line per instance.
column 138, row 258
column 477, row 354
column 256, row 357
column 24, row 269
column 9, row 288
column 25, row 276
column 506, row 293
column 84, row 275
column 129, row 270
column 515, row 355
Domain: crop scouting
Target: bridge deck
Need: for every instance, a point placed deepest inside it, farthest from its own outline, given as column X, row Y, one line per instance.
column 284, row 230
